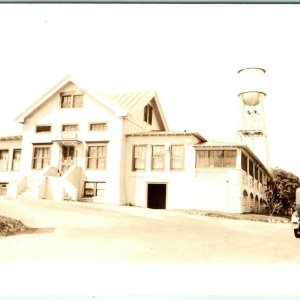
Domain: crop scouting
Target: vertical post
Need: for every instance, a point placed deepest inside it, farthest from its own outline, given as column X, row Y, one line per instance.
column 265, row 134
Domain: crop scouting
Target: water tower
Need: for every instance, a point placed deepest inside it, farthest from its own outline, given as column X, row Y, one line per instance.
column 251, row 93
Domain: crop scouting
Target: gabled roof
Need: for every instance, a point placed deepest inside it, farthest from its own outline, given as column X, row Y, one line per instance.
column 120, row 104
column 132, row 102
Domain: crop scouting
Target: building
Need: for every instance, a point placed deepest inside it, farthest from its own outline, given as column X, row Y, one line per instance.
column 78, row 144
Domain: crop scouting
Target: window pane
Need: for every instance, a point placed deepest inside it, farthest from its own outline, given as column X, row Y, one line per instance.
column 73, row 127
column 158, row 157
column 41, row 157
column 250, row 167
column 97, row 126
column 177, row 157
column 66, row 101
column 148, row 111
column 16, row 160
column 3, row 160
column 43, row 128
column 244, row 163
column 202, row 159
column 256, row 172
column 216, row 158
column 77, row 101
column 230, row 158
column 150, row 115
column 92, row 189
column 96, row 157
column 139, row 158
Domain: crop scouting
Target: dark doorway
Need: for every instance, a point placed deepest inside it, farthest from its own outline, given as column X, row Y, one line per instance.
column 157, row 195
column 67, row 159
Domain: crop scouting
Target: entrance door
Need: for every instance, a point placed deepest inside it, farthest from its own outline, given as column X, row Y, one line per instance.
column 67, row 158
column 157, row 195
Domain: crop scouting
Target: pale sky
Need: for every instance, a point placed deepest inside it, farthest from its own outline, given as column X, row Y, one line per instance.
column 189, row 54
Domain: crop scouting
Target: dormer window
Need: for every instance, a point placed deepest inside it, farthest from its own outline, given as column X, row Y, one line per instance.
column 71, row 100
column 148, row 110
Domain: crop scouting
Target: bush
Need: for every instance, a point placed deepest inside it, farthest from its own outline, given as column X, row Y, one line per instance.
column 10, row 226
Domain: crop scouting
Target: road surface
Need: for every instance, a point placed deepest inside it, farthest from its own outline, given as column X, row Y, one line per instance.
column 85, row 248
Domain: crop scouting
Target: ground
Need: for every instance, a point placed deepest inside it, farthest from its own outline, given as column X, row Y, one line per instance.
column 83, row 248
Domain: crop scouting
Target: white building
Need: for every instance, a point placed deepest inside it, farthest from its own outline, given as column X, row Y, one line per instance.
column 78, row 144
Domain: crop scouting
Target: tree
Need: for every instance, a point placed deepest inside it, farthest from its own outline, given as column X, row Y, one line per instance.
column 272, row 203
column 281, row 192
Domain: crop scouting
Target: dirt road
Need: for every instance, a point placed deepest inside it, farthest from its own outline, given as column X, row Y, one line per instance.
column 86, row 248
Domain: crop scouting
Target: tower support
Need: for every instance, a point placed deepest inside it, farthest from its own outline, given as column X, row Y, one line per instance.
column 252, row 127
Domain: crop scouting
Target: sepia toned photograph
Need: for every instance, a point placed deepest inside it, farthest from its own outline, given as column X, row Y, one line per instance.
column 149, row 150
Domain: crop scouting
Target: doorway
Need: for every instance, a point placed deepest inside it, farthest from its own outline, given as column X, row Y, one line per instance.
column 156, row 197
column 67, row 159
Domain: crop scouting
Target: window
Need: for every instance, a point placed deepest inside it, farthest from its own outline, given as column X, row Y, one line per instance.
column 250, row 167
column 71, row 101
column 3, row 188
column 158, row 157
column 77, row 101
column 244, row 163
column 139, row 157
column 256, row 172
column 3, row 160
column 16, row 160
column 98, row 126
column 148, row 110
column 43, row 128
column 70, row 127
column 177, row 155
column 216, row 158
column 202, row 159
column 260, row 176
column 96, row 157
column 41, row 157
column 229, row 159
column 94, row 188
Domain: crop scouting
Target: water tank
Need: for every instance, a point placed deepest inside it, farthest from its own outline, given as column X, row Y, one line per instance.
column 251, row 89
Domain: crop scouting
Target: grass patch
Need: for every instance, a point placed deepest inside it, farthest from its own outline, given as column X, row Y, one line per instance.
column 248, row 216
column 9, row 226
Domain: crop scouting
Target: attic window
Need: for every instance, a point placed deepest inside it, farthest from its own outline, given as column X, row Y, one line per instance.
column 148, row 109
column 43, row 128
column 70, row 127
column 102, row 126
column 71, row 101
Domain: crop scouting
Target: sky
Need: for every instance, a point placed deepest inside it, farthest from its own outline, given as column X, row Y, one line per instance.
column 188, row 53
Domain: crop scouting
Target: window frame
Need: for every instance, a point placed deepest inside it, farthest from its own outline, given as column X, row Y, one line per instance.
column 162, row 157
column 134, row 158
column 44, row 131
column 7, row 160
column 73, row 124
column 14, row 160
column 244, row 162
column 72, row 101
column 172, row 168
column 94, row 188
column 89, row 158
column 43, row 158
column 251, row 170
column 98, row 123
column 215, row 161
column 148, row 113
